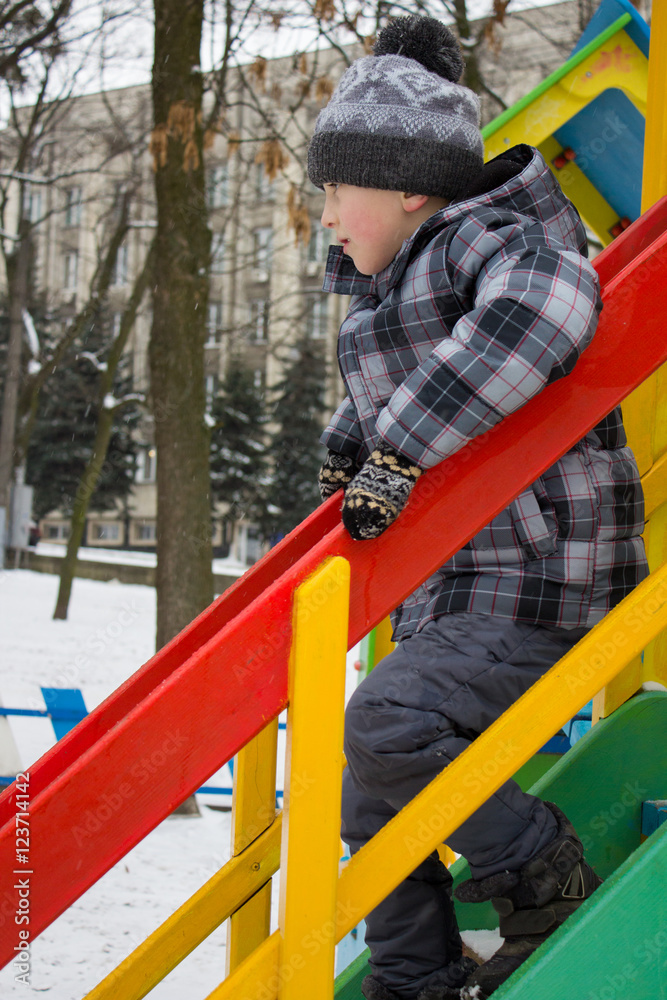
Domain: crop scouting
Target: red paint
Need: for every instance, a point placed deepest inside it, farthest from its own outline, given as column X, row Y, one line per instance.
column 200, row 699
column 616, row 59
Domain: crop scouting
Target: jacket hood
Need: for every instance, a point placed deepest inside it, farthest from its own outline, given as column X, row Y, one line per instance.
column 517, row 181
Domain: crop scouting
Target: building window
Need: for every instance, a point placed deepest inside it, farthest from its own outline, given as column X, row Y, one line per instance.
column 259, row 321
column 259, row 379
column 71, row 271
column 145, row 532
column 119, row 275
column 57, row 532
column 217, row 253
column 262, row 246
column 32, row 204
column 146, row 464
column 211, row 389
column 73, row 206
column 316, row 316
column 214, row 324
column 216, row 192
column 106, row 532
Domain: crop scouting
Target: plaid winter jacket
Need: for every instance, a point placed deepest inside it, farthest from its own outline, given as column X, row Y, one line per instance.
column 489, row 301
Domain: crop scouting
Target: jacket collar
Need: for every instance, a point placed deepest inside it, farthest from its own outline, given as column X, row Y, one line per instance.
column 342, row 277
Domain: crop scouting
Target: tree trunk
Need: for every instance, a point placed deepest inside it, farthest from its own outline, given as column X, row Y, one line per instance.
column 184, row 577
column 80, row 510
column 18, row 297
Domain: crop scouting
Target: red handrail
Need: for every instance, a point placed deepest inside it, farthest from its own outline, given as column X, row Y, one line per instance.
column 202, row 697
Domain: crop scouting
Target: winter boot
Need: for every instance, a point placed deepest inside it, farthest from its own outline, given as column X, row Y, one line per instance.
column 532, row 903
column 444, row 985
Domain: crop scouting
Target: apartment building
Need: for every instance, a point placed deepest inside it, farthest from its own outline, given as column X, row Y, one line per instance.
column 265, row 284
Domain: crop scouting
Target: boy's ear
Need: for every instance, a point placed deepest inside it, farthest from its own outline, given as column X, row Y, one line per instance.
column 413, row 202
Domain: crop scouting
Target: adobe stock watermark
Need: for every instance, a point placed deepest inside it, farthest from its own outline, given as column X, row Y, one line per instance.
column 614, row 130
column 598, row 827
column 277, row 637
column 310, row 945
column 109, row 803
column 474, row 781
column 22, row 879
column 619, row 984
column 634, row 621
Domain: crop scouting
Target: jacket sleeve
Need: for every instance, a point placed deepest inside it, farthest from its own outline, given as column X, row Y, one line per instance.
column 343, row 434
column 530, row 306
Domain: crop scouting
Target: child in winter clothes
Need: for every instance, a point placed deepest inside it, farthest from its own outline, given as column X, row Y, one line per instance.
column 471, row 292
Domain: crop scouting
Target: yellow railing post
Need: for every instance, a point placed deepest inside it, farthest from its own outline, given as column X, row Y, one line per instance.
column 645, row 410
column 253, row 812
column 313, row 778
column 443, row 805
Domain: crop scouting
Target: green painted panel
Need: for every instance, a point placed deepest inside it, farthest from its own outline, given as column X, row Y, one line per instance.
column 614, row 946
column 535, row 768
column 600, row 784
column 348, row 983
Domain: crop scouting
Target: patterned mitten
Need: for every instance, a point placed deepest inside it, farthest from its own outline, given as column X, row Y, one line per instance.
column 336, row 472
column 378, row 494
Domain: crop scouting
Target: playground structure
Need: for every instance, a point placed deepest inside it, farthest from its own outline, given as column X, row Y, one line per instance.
column 587, row 119
column 259, row 649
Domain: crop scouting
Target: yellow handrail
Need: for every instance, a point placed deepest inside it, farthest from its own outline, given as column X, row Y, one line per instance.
column 192, row 923
column 481, row 769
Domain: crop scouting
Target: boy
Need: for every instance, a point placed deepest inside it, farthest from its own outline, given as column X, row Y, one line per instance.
column 470, row 293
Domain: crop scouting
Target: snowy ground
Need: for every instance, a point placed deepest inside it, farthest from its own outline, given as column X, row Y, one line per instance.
column 225, row 567
column 109, row 634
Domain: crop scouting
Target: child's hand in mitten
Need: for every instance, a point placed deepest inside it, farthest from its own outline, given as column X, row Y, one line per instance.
column 378, row 493
column 336, row 472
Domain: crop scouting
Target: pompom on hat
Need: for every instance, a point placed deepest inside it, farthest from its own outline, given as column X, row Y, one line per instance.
column 399, row 120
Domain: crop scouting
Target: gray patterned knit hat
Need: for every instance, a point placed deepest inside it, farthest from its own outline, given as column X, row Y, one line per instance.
column 399, row 120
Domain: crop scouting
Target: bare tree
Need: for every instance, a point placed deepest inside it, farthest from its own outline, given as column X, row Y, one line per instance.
column 108, row 408
column 37, row 95
column 27, row 28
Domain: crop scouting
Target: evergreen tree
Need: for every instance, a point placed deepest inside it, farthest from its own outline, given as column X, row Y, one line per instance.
column 238, row 446
column 64, row 434
column 295, row 449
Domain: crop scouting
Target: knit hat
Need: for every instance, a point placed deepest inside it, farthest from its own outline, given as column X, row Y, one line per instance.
column 399, row 120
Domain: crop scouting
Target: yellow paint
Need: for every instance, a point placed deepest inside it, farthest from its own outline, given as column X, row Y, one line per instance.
column 313, row 781
column 259, row 976
column 383, row 641
column 655, row 486
column 645, row 410
column 446, row 855
column 253, row 811
column 248, row 927
column 450, row 799
column 621, row 65
column 618, row 64
column 593, row 208
column 654, row 179
column 193, row 921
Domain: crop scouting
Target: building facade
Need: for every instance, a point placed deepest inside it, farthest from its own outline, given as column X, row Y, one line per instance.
column 268, row 248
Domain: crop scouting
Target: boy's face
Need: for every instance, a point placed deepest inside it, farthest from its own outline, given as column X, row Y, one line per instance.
column 370, row 223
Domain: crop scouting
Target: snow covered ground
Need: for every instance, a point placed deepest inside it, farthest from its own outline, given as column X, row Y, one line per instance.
column 225, row 567
column 109, row 634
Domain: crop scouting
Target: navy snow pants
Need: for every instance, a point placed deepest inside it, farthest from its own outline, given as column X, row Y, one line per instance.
column 418, row 710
